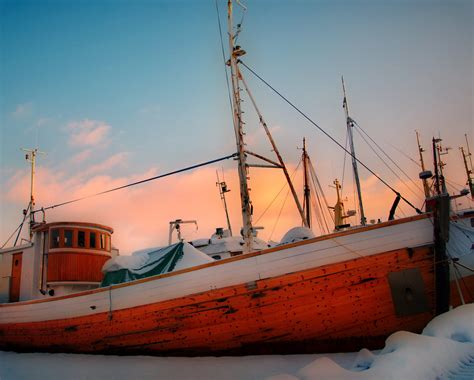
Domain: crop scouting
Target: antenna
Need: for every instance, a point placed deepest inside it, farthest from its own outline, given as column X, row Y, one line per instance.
column 31, row 158
column 222, row 190
column 350, row 125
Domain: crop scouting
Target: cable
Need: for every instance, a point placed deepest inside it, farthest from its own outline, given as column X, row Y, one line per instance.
column 331, row 138
column 279, row 214
column 276, row 196
column 406, row 155
column 142, row 181
column 344, row 163
column 389, row 168
column 315, row 179
column 393, row 162
column 223, row 57
column 18, row 228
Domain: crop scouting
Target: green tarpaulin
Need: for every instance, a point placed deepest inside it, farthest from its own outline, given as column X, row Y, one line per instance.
column 160, row 261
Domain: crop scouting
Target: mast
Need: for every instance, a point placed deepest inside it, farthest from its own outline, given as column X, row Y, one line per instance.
column 441, row 164
column 426, row 187
column 468, row 151
column 236, row 51
column 468, row 171
column 350, row 125
column 306, row 189
column 436, row 167
column 31, row 157
column 222, row 190
column 281, row 163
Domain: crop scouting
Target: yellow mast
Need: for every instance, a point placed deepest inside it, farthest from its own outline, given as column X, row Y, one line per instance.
column 339, row 213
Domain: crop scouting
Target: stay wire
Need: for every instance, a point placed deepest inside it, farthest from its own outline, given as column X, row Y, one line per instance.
column 388, row 166
column 406, row 155
column 223, row 58
column 26, row 215
column 283, row 205
column 315, row 181
column 332, row 138
column 344, row 163
column 142, row 181
column 276, row 196
column 390, row 158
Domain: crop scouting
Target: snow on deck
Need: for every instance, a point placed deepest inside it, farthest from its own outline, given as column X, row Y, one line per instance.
column 445, row 350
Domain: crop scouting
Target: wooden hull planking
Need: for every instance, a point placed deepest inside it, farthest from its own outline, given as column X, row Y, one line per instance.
column 341, row 306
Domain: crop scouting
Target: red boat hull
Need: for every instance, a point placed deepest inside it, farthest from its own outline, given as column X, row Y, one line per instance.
column 337, row 307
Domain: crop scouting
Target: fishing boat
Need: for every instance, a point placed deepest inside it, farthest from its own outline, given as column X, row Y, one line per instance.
column 340, row 291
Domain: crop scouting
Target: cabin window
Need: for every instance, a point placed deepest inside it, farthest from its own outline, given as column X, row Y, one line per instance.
column 68, row 234
column 217, row 257
column 92, row 243
column 102, row 241
column 54, row 238
column 81, row 239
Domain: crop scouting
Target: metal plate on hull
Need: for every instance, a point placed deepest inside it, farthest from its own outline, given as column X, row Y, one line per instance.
column 408, row 292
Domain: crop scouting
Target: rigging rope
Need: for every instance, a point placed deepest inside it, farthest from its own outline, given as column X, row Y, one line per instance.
column 276, row 196
column 344, row 164
column 27, row 214
column 391, row 160
column 142, row 181
column 284, row 201
column 279, row 214
column 389, row 168
column 223, row 57
column 331, row 138
column 406, row 155
column 315, row 181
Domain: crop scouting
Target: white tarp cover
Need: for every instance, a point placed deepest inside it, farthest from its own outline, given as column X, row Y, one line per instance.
column 151, row 262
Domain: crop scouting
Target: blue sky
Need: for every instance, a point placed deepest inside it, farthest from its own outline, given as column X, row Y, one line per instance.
column 152, row 73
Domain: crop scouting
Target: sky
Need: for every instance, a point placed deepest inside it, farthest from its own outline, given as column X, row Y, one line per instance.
column 118, row 91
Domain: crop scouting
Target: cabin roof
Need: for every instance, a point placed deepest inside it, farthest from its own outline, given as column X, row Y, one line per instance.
column 45, row 226
column 17, row 248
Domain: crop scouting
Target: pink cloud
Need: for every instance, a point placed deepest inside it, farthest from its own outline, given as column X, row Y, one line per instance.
column 109, row 163
column 81, row 156
column 88, row 132
column 140, row 215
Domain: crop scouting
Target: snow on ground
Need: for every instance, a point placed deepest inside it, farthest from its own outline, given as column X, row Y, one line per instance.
column 445, row 350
